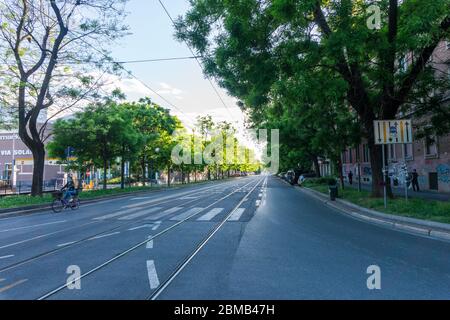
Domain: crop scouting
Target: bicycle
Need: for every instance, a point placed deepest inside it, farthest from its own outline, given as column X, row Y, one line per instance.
column 59, row 204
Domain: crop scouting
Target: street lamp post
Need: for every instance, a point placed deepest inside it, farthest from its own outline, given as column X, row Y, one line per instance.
column 151, row 168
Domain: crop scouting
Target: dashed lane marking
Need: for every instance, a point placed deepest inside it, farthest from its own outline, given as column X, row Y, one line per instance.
column 236, row 214
column 140, row 214
column 152, row 274
column 164, row 213
column 186, row 214
column 211, row 214
column 6, row 257
column 104, row 235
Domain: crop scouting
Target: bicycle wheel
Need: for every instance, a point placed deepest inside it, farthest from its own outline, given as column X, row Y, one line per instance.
column 76, row 204
column 57, row 206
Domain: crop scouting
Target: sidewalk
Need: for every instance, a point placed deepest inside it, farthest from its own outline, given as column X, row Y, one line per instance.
column 426, row 228
column 400, row 192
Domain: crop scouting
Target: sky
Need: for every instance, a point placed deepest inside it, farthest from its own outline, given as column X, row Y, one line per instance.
column 181, row 82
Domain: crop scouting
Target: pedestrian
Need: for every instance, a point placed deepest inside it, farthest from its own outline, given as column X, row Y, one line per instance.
column 415, row 180
column 350, row 177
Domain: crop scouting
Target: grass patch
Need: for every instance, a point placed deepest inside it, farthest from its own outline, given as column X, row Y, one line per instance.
column 432, row 210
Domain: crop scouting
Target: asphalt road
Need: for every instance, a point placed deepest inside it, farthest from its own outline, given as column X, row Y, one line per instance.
column 249, row 238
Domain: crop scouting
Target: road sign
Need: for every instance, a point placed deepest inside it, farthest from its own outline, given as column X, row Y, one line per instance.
column 393, row 132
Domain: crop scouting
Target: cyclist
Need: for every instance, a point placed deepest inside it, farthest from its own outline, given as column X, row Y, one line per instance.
column 69, row 189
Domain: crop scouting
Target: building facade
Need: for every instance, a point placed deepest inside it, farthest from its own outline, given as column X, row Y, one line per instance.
column 16, row 163
column 429, row 156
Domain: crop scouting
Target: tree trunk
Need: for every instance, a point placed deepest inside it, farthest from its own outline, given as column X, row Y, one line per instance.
column 38, row 169
column 168, row 176
column 143, row 171
column 105, row 170
column 316, row 167
column 341, row 176
column 122, row 174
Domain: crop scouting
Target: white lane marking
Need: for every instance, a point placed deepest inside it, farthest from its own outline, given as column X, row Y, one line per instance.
column 257, row 202
column 186, row 214
column 149, row 244
column 237, row 214
column 139, row 198
column 260, row 195
column 164, row 213
column 41, row 236
column 36, row 225
column 140, row 227
column 189, row 197
column 6, row 257
column 113, row 215
column 1, row 279
column 152, row 275
column 157, row 224
column 104, row 235
column 211, row 214
column 66, row 244
column 144, row 212
column 15, row 284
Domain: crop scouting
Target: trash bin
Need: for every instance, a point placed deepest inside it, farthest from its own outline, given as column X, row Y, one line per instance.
column 333, row 189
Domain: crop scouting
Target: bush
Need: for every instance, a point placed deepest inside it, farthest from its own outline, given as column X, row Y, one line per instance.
column 322, row 181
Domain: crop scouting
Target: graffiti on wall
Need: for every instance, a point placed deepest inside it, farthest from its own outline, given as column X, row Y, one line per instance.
column 443, row 171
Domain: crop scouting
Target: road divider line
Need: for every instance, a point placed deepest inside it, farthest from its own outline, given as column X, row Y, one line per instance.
column 12, row 285
column 152, row 275
column 6, row 257
column 33, row 226
column 66, row 244
column 105, row 235
column 140, row 227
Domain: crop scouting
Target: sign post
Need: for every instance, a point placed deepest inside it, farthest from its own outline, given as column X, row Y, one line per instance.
column 392, row 132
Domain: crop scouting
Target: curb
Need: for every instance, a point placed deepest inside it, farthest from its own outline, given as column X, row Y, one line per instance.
column 435, row 230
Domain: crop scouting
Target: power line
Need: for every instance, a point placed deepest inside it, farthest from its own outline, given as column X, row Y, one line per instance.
column 127, row 71
column 157, row 60
column 198, row 61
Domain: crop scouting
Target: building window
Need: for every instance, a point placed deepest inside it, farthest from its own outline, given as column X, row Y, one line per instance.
column 344, row 156
column 350, row 156
column 366, row 156
column 448, row 44
column 431, row 146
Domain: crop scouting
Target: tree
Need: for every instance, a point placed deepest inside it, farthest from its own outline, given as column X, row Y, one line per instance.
column 241, row 44
column 49, row 49
column 98, row 135
column 156, row 124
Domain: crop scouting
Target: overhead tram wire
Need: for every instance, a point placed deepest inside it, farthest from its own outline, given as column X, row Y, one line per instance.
column 199, row 63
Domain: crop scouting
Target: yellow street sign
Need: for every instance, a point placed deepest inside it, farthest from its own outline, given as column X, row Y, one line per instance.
column 393, row 132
